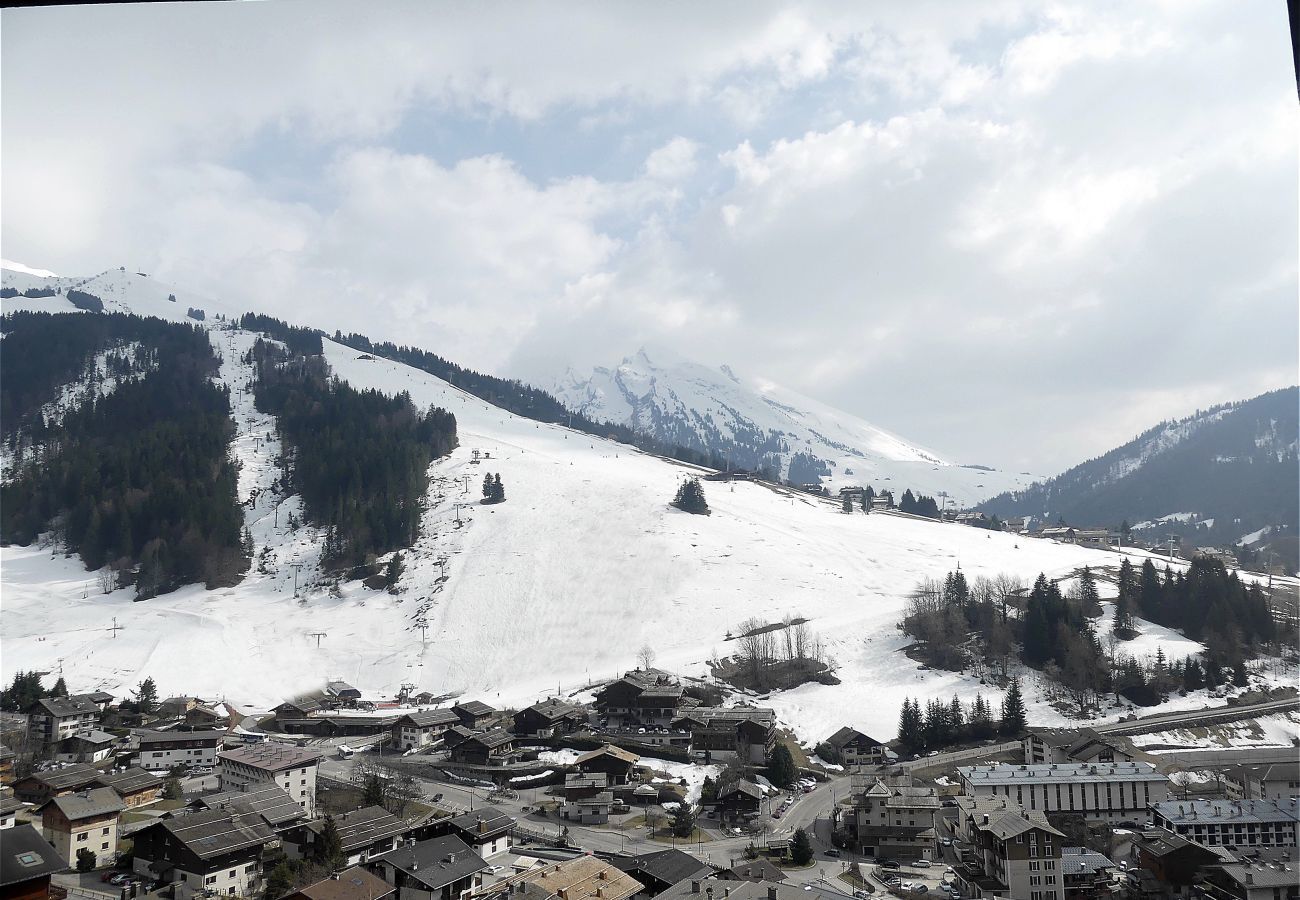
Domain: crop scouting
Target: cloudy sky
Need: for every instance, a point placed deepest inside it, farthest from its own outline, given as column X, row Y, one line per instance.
column 1016, row 232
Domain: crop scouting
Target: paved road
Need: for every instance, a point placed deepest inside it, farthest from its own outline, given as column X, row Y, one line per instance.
column 810, row 811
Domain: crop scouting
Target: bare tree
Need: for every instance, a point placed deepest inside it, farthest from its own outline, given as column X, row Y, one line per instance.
column 1006, row 586
column 646, row 656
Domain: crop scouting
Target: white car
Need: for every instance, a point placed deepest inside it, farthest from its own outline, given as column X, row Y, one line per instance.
column 921, row 864
column 907, row 886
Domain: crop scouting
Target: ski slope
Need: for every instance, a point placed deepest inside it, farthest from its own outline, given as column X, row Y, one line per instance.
column 555, row 589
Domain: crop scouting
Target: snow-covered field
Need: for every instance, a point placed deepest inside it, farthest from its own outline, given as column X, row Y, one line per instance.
column 551, row 591
column 1278, row 730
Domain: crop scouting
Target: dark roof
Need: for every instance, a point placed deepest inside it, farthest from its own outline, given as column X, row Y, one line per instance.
column 497, row 737
column 1160, row 843
column 307, row 704
column 474, row 708
column 97, row 697
column 87, row 804
column 132, row 780
column 436, row 862
column 10, row 805
column 456, row 735
column 339, row 687
column 212, row 833
column 1082, row 861
column 484, row 822
column 426, row 718
column 739, row 890
column 740, row 786
column 350, row 884
column 270, row 802
column 67, row 778
column 554, row 709
column 667, row 866
column 63, row 707
column 93, row 736
column 26, row 856
column 754, row 870
column 362, row 827
column 845, row 735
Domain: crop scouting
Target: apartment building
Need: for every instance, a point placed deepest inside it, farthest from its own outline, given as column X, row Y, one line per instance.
column 1234, row 823
column 1012, row 852
column 161, row 750
column 1114, row 792
column 290, row 768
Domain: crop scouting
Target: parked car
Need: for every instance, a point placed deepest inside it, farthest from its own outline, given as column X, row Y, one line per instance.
column 947, row 842
column 921, row 864
column 832, row 852
column 777, row 814
column 888, row 863
column 908, row 885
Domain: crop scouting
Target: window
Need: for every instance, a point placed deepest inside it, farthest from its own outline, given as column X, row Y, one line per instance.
column 1033, row 867
column 105, row 831
column 81, row 837
column 1020, row 839
column 249, row 868
column 104, row 846
column 1049, row 879
column 1033, row 849
column 232, row 873
column 1035, row 881
column 211, row 879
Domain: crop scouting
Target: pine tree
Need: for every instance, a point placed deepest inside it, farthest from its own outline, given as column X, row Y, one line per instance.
column 911, row 726
column 86, row 860
column 690, row 498
column 279, row 882
column 801, row 852
column 1013, row 710
column 498, row 492
column 60, row 688
column 487, row 486
column 330, row 849
column 146, row 696
column 781, row 767
column 956, row 716
column 846, row 503
column 396, row 566
column 1088, row 592
column 373, row 794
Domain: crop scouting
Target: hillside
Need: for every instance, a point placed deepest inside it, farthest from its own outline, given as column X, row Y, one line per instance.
column 1212, row 479
column 556, row 588
column 757, row 424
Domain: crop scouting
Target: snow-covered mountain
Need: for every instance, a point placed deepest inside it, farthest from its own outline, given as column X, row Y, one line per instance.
column 753, row 423
column 552, row 590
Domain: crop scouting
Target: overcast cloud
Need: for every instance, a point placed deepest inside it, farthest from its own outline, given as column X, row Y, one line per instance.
column 1016, row 232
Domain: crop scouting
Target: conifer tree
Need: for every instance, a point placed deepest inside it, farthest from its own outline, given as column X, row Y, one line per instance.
column 911, row 726
column 801, row 852
column 146, row 696
column 690, row 498
column 1013, row 710
column 60, row 688
column 330, row 849
column 846, row 504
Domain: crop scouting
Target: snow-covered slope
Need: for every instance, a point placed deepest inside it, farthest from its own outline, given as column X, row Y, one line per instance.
column 753, row 421
column 121, row 290
column 556, row 588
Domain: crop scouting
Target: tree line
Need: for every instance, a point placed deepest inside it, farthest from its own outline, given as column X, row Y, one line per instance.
column 139, row 479
column 942, row 724
column 358, row 459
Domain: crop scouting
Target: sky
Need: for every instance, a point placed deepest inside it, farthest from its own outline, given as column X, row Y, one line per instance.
column 1017, row 232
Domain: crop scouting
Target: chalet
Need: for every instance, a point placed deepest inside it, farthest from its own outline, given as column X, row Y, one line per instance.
column 442, row 868
column 177, row 707
column 41, row 786
column 1050, row 745
column 26, row 863
column 52, row 719
column 895, row 817
column 270, row 803
column 716, row 888
column 350, row 884
column 297, row 709
column 745, row 732
column 204, row 716
column 660, row 870
column 90, row 746
column 1092, row 747
column 615, row 763
column 342, row 692
column 135, row 786
column 738, row 799
column 1173, row 861
column 645, row 698
column 1085, row 874
column 855, row 748
column 417, row 730
column 1014, row 853
column 1084, row 537
column 752, row 870
column 364, row 833
column 488, row 830
column 456, row 735
column 587, row 798
column 474, row 713
column 1270, row 877
column 161, row 750
column 86, row 820
column 581, row 878
column 205, row 853
column 492, row 748
column 549, row 718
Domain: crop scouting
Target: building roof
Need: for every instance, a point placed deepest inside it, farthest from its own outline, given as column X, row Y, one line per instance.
column 1005, row 773
column 1287, row 771
column 304, row 705
column 436, row 862
column 1261, row 875
column 740, row 786
column 87, row 804
column 581, row 878
column 553, row 709
column 94, row 736
column 339, row 687
column 755, row 870
column 474, row 708
column 350, row 884
column 1082, row 861
column 586, row 780
column 10, row 805
column 717, row 888
column 269, row 801
column 1160, row 842
column 484, row 822
column 26, row 856
column 362, row 827
column 711, row 715
column 64, row 707
column 847, row 735
column 1193, row 812
column 1058, row 737
column 1009, row 823
column 497, row 737
column 97, row 697
column 130, row 781
column 428, row 718
column 211, row 833
column 271, row 757
column 68, row 778
column 668, row 866
column 162, row 737
column 608, row 750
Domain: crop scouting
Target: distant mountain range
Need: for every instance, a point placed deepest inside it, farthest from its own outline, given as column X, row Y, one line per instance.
column 759, row 425
column 1227, row 475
